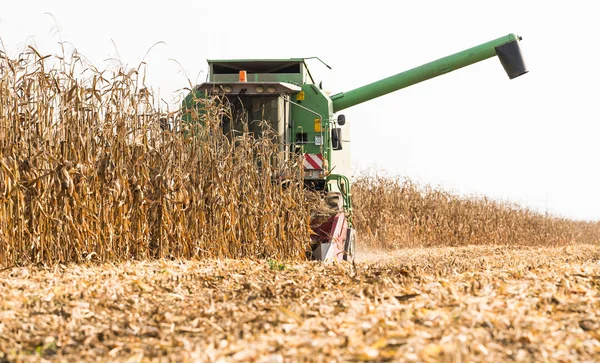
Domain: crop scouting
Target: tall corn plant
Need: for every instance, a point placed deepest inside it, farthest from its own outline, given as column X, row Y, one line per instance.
column 395, row 212
column 87, row 172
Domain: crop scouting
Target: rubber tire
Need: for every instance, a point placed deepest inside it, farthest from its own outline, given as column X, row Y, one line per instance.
column 350, row 245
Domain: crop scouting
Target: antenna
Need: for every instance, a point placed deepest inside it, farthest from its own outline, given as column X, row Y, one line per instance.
column 320, row 60
column 310, row 75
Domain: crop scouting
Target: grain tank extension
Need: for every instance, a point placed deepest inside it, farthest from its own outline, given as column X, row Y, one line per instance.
column 303, row 116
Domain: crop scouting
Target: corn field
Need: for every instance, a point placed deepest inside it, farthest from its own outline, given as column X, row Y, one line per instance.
column 397, row 212
column 90, row 170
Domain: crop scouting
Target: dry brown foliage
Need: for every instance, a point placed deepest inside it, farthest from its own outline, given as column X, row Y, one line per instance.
column 91, row 170
column 396, row 212
column 87, row 173
column 452, row 304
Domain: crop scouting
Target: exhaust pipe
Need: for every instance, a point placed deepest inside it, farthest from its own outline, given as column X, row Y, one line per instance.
column 512, row 59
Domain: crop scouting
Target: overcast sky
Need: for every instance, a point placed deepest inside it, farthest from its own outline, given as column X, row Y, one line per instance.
column 532, row 140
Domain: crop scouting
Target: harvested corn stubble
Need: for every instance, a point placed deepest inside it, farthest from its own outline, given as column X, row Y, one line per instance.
column 459, row 304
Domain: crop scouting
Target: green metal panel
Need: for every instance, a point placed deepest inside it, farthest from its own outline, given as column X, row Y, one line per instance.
column 419, row 74
column 191, row 110
column 304, row 121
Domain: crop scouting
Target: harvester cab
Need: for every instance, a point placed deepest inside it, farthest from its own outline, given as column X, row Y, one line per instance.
column 282, row 93
column 302, row 119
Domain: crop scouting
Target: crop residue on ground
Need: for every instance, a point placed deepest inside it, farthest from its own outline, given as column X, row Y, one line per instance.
column 452, row 304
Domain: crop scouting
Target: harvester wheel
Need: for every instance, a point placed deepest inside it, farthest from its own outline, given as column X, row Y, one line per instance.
column 350, row 246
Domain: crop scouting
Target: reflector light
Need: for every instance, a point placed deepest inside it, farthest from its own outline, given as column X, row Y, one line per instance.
column 317, row 125
column 243, row 76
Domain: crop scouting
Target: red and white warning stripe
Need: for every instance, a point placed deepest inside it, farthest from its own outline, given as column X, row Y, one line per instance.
column 313, row 161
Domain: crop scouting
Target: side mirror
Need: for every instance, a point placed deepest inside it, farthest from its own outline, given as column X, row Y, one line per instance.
column 341, row 120
column 336, row 138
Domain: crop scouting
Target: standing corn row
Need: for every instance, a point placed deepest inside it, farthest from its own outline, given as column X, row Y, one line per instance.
column 393, row 212
column 87, row 172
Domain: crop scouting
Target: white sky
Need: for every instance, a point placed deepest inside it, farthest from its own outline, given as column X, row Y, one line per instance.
column 532, row 140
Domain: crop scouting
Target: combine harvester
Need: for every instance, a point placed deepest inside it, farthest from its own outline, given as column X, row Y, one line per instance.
column 284, row 93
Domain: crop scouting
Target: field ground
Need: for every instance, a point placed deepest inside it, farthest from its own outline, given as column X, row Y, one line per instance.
column 480, row 303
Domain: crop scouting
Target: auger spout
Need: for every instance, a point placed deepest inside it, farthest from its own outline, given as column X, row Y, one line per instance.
column 506, row 48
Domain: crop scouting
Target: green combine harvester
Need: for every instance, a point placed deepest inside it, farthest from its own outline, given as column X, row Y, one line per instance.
column 306, row 120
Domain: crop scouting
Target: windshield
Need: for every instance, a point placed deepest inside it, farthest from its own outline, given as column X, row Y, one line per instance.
column 249, row 112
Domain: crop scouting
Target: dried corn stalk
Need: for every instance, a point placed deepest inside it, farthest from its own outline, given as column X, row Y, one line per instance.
column 90, row 170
